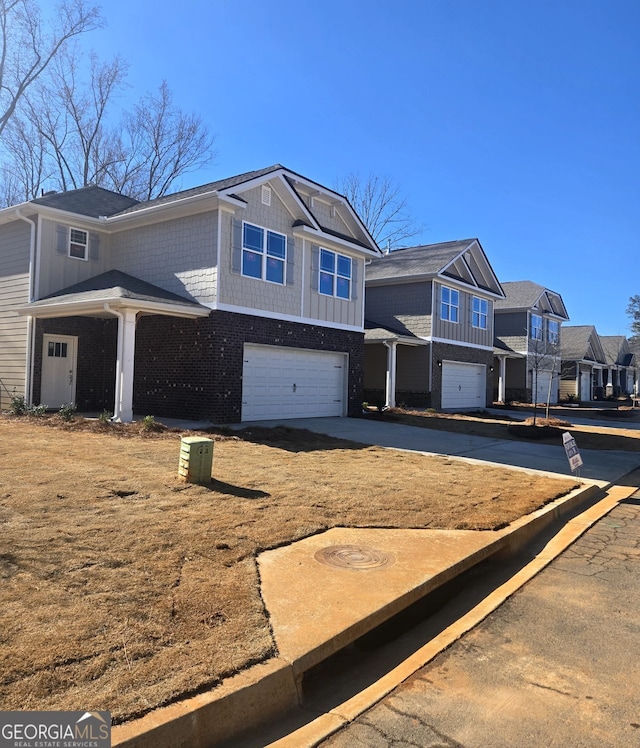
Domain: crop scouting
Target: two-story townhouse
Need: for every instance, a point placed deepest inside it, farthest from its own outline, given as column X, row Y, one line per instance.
column 429, row 320
column 620, row 371
column 528, row 324
column 583, row 364
column 242, row 299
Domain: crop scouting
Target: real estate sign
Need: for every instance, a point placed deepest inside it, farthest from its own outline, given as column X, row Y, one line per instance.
column 571, row 448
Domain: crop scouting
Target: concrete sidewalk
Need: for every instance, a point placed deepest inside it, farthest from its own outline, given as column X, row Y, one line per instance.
column 605, row 466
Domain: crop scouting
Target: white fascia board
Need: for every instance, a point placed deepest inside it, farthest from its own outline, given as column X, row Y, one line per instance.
column 97, row 307
column 163, row 212
column 257, row 181
column 252, row 312
column 401, row 340
column 11, row 213
column 66, row 216
column 461, row 286
column 460, row 343
column 320, row 237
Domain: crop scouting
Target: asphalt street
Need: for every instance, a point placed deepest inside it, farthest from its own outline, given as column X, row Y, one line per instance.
column 556, row 665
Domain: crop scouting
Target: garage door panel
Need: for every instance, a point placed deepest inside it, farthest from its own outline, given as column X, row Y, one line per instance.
column 291, row 383
column 463, row 385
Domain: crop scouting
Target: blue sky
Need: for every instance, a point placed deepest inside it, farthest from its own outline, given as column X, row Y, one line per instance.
column 512, row 121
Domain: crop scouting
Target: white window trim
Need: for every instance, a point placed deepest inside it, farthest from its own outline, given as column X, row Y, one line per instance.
column 85, row 257
column 450, row 305
column 540, row 328
column 335, row 274
column 480, row 314
column 263, row 255
column 553, row 338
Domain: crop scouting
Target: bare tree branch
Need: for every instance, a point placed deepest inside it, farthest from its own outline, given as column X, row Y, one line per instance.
column 29, row 44
column 382, row 208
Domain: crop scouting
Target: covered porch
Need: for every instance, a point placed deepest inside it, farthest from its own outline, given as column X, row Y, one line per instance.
column 86, row 337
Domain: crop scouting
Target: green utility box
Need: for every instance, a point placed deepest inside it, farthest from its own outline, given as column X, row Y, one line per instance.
column 196, row 459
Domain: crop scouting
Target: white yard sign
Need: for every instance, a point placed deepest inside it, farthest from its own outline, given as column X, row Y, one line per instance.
column 571, row 448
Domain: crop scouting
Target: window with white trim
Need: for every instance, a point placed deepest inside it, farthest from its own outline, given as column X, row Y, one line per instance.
column 264, row 253
column 449, row 304
column 78, row 244
column 553, row 331
column 335, row 274
column 479, row 312
column 536, row 327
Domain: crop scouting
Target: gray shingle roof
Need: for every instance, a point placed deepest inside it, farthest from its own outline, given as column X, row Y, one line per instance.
column 427, row 259
column 374, row 331
column 612, row 346
column 87, row 201
column 574, row 341
column 114, row 284
column 220, row 184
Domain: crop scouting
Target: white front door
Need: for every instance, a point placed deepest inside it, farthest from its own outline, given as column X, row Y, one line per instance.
column 585, row 385
column 58, row 370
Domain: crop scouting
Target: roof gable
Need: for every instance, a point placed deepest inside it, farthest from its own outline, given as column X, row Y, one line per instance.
column 527, row 295
column 463, row 261
column 581, row 342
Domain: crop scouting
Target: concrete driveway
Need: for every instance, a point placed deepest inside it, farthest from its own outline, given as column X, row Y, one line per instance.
column 605, row 466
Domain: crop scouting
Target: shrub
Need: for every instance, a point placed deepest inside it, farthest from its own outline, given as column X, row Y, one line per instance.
column 19, row 406
column 67, row 412
column 149, row 424
column 105, row 417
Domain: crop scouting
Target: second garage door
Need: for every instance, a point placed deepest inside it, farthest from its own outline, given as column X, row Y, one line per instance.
column 463, row 385
column 292, row 383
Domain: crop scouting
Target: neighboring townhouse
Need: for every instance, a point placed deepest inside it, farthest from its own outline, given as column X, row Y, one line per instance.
column 242, row 299
column 528, row 323
column 429, row 326
column 583, row 362
column 619, row 373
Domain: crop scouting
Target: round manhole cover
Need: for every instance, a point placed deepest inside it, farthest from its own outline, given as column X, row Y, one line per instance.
column 354, row 557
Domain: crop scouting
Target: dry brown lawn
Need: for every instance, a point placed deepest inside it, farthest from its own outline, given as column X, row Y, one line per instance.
column 122, row 588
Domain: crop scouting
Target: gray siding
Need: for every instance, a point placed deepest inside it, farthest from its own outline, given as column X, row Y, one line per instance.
column 462, row 331
column 405, row 307
column 178, row 255
column 512, row 328
column 14, row 291
column 57, row 270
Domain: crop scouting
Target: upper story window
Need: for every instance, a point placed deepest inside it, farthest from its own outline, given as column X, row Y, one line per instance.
column 264, row 253
column 553, row 332
column 449, row 304
column 536, row 327
column 479, row 313
column 335, row 274
column 78, row 243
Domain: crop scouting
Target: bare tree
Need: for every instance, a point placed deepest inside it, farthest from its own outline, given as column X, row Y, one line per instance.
column 66, row 124
column 380, row 204
column 543, row 357
column 159, row 144
column 28, row 44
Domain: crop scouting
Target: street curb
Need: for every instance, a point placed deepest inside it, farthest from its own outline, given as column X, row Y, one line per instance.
column 272, row 689
column 325, row 725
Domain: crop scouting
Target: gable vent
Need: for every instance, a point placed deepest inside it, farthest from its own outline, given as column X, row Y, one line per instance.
column 266, row 195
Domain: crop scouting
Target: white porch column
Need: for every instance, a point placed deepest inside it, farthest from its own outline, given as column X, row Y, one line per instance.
column 125, row 363
column 502, row 378
column 390, row 389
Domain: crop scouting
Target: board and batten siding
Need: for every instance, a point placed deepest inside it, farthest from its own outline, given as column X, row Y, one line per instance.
column 14, row 291
column 463, row 330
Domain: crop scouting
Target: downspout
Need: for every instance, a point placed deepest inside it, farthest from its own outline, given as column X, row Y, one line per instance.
column 117, row 407
column 28, row 376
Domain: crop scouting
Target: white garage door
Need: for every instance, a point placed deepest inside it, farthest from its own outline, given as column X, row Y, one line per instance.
column 463, row 385
column 542, row 390
column 292, row 383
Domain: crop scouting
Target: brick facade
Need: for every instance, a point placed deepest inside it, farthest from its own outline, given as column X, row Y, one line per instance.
column 96, row 359
column 189, row 368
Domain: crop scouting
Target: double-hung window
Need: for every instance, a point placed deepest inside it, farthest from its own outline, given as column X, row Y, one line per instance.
column 553, row 332
column 335, row 274
column 449, row 304
column 78, row 243
column 536, row 327
column 479, row 313
column 264, row 253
